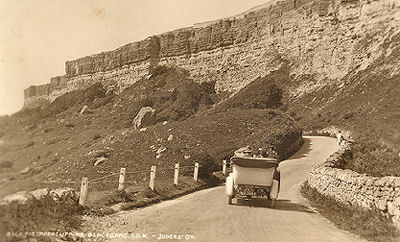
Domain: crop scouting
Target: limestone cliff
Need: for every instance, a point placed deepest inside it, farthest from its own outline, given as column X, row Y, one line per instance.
column 322, row 38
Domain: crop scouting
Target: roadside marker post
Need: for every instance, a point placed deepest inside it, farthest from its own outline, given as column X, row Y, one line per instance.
column 176, row 175
column 224, row 167
column 196, row 171
column 152, row 177
column 121, row 182
column 83, row 193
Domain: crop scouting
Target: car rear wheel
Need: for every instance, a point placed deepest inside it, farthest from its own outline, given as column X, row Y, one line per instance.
column 230, row 200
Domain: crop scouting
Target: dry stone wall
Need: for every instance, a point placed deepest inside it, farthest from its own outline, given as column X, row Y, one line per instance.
column 35, row 210
column 356, row 189
column 325, row 39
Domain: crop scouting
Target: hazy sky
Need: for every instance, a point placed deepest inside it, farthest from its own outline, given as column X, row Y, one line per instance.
column 38, row 36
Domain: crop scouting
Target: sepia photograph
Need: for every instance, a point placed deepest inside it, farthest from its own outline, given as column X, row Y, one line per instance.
column 200, row 120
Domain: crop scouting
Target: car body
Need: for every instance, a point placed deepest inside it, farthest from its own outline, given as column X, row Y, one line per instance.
column 253, row 177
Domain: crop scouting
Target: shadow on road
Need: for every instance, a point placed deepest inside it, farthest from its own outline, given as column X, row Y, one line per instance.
column 283, row 204
column 303, row 151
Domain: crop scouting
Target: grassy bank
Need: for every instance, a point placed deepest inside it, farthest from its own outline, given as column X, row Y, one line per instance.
column 103, row 202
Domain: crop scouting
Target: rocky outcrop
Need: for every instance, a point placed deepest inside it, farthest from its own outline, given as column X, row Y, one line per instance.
column 325, row 39
column 145, row 117
column 349, row 187
column 25, row 198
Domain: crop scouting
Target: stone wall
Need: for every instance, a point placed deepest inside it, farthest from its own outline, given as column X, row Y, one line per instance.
column 325, row 39
column 356, row 189
column 36, row 210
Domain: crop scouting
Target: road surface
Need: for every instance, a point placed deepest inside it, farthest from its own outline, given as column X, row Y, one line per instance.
column 206, row 216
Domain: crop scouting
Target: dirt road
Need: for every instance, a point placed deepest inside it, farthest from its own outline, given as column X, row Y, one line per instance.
column 206, row 216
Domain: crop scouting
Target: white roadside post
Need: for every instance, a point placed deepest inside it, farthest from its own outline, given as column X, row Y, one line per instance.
column 152, row 177
column 83, row 193
column 176, row 175
column 196, row 171
column 122, row 174
column 224, row 167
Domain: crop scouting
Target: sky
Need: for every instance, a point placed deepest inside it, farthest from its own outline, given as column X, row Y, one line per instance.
column 37, row 37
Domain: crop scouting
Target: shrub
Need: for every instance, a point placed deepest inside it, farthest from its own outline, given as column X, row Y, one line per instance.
column 208, row 87
column 206, row 162
column 100, row 102
column 69, row 125
column 96, row 136
column 72, row 99
column 158, row 70
column 173, row 95
column 262, row 93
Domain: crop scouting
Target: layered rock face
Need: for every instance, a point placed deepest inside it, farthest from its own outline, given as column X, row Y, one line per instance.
column 325, row 39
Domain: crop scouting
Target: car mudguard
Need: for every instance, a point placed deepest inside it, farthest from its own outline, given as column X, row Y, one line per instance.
column 229, row 185
column 274, row 189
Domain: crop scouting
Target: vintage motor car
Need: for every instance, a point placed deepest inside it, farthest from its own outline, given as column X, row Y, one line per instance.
column 253, row 177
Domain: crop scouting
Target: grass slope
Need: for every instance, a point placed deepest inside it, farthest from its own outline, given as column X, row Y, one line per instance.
column 367, row 102
column 57, row 146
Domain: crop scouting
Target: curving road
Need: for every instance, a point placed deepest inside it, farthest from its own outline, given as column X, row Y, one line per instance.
column 206, row 216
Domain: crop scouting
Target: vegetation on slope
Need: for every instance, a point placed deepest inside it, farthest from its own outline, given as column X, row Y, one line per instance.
column 366, row 103
column 58, row 145
column 62, row 146
column 263, row 92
